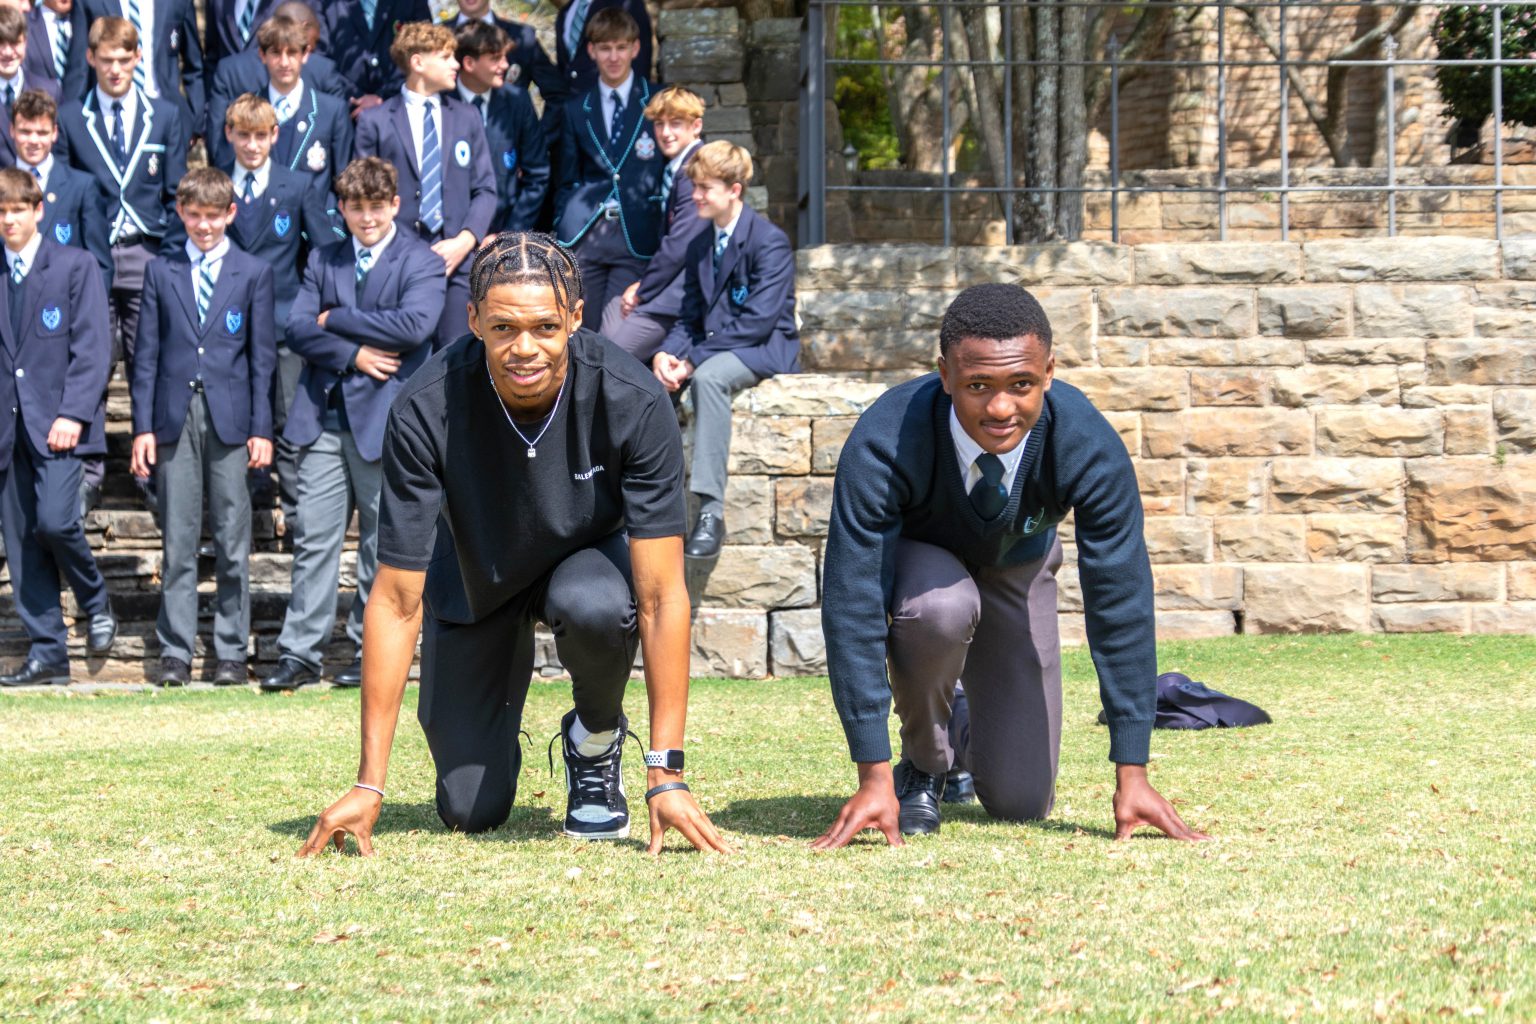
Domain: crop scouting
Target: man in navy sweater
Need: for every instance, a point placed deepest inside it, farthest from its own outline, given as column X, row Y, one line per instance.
column 941, row 567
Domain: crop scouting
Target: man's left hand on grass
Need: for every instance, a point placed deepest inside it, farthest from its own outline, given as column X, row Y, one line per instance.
column 1137, row 803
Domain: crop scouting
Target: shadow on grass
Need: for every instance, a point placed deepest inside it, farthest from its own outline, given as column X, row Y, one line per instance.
column 522, row 823
column 809, row 816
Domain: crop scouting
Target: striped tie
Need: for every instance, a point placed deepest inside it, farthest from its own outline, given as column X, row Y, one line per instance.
column 247, row 20
column 370, row 11
column 667, row 177
column 61, row 49
column 204, row 289
column 119, row 135
column 616, row 129
column 364, row 264
column 721, row 241
column 38, row 174
column 249, row 195
column 140, row 75
column 431, row 171
column 19, row 270
column 574, row 27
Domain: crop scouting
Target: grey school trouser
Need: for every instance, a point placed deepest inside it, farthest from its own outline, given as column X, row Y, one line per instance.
column 715, row 381
column 995, row 630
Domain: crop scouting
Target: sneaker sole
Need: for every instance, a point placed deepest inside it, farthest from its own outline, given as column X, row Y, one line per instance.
column 622, row 833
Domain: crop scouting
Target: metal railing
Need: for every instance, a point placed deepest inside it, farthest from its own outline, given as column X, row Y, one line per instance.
column 818, row 68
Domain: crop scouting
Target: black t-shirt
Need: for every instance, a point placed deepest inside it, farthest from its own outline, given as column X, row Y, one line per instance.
column 463, row 500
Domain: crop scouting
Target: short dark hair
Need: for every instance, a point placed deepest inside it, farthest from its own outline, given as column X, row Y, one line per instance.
column 205, row 186
column 478, row 39
column 17, row 187
column 367, row 178
column 13, row 25
column 995, row 311
column 514, row 257
column 35, row 105
column 613, row 25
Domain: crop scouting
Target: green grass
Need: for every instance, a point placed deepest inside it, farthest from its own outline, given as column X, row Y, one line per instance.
column 1373, row 860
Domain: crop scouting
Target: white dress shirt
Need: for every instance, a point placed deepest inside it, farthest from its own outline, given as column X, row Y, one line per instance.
column 606, row 94
column 130, row 102
column 213, row 257
column 469, row 96
column 729, row 229
column 967, row 451
column 377, row 250
column 44, row 169
column 259, row 178
column 147, row 42
column 51, row 22
column 416, row 106
column 28, row 254
column 294, row 99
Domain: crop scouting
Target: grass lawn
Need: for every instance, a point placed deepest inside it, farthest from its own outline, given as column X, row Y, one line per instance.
column 1374, row 859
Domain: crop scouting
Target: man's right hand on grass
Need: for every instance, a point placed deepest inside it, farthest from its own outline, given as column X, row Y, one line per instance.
column 872, row 806
column 354, row 814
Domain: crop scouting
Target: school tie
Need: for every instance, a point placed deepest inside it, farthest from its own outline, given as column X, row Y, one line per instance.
column 431, row 171
column 119, row 145
column 617, row 127
column 204, row 289
column 280, row 108
column 364, row 264
column 247, row 20
column 37, row 172
column 667, row 177
column 574, row 27
column 132, row 12
column 370, row 10
column 721, row 241
column 479, row 102
column 10, row 96
column 18, row 271
column 61, row 49
column 249, row 194
column 989, row 496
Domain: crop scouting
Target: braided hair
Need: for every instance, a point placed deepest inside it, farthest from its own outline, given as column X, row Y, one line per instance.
column 532, row 257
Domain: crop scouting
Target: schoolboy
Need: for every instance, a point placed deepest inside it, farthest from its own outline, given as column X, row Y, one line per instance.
column 574, row 62
column 56, row 32
column 243, row 72
column 437, row 143
column 135, row 146
column 172, row 64
column 736, row 327
column 519, row 155
column 363, row 323
column 360, row 34
column 202, row 413
column 528, row 63
column 14, row 78
column 640, row 318
column 54, row 361
column 608, row 169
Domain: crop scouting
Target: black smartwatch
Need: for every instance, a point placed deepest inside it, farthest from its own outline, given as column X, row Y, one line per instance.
column 672, row 760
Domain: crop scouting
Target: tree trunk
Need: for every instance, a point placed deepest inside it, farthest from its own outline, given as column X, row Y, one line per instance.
column 984, row 93
column 1072, row 137
column 1041, row 164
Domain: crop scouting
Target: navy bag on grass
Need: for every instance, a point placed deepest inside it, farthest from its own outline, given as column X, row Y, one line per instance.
column 1183, row 703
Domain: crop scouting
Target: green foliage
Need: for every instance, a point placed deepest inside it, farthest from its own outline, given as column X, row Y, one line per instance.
column 860, row 93
column 1465, row 32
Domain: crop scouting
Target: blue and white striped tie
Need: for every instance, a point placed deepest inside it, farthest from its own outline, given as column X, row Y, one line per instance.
column 61, row 49
column 667, row 178
column 431, row 171
column 364, row 264
column 281, row 109
column 721, row 241
column 574, row 26
column 140, row 74
column 370, row 11
column 204, row 289
column 19, row 270
column 247, row 20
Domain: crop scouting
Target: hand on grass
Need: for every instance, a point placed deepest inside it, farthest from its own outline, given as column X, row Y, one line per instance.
column 1137, row 803
column 872, row 806
column 353, row 815
column 677, row 809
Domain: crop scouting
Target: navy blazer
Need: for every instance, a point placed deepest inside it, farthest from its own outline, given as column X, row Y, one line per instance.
column 748, row 308
column 244, row 72
column 141, row 197
column 59, row 364
column 72, row 214
column 287, row 220
column 223, row 39
column 661, row 287
column 7, row 141
column 577, row 71
column 234, row 352
column 38, row 63
column 528, row 62
column 175, row 43
column 398, row 310
column 469, row 185
column 519, row 157
column 585, row 165
column 362, row 53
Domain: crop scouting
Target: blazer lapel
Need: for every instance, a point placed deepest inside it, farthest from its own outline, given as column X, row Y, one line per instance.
column 229, row 277
column 6, row 336
column 146, row 121
column 345, row 268
column 103, row 145
column 33, row 296
column 181, row 284
column 403, row 126
column 379, row 274
column 732, row 254
column 707, row 268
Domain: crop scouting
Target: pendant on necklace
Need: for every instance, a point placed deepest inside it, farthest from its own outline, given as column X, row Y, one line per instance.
column 532, row 454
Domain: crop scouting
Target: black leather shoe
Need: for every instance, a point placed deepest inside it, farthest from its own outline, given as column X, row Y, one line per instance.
column 230, row 673
column 102, row 631
column 34, row 673
column 173, row 672
column 706, row 538
column 919, row 794
column 290, row 675
column 352, row 675
column 207, row 550
column 959, row 787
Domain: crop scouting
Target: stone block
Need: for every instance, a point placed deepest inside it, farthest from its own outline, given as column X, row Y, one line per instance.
column 1304, row 386
column 806, row 394
column 749, row 509
column 729, row 642
column 827, row 439
column 707, row 21
column 1305, row 311
column 1451, row 581
column 1177, row 312
column 1261, row 538
column 1221, row 487
column 1467, row 431
column 795, row 643
column 1056, row 265
column 1520, row 259
column 1355, row 538
column 1504, row 323
column 1162, row 486
column 1226, row 386
column 1122, row 351
column 1128, row 426
column 1072, row 629
column 1125, row 389
column 1218, row 263
column 1380, row 432
column 1237, row 352
column 1162, row 435
column 1306, row 599
column 779, row 445
column 924, row 310
column 1364, row 351
column 831, row 267
column 834, row 351
column 1070, row 311
column 1200, row 587
column 1520, row 583
column 1420, row 618
column 1517, row 618
column 774, row 33
column 1218, row 433
column 803, row 506
column 1514, row 412
column 1471, row 510
column 1194, row 625
column 1178, row 539
column 1425, row 311
column 1508, row 361
column 1430, row 396
column 703, row 59
column 1069, row 587
column 1438, row 258
column 850, row 311
column 1336, row 485
column 763, row 576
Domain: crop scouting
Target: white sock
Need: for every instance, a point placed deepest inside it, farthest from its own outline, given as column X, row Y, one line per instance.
column 589, row 743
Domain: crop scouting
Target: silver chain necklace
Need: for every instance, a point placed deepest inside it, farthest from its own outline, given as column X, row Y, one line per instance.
column 532, row 445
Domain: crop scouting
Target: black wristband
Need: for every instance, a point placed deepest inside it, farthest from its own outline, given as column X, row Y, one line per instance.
column 665, row 787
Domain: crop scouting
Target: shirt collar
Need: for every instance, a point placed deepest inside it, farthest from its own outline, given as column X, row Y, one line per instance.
column 967, row 450
column 129, row 100
column 624, row 88
column 294, row 98
column 487, row 17
column 730, row 229
column 28, row 253
column 676, row 163
column 214, row 255
column 44, row 169
column 17, row 83
column 260, row 175
column 377, row 250
column 416, row 99
column 469, row 96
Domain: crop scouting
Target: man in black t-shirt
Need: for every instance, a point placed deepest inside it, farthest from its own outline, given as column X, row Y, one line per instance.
column 532, row 472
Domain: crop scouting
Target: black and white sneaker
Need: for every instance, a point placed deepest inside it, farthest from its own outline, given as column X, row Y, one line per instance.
column 595, row 805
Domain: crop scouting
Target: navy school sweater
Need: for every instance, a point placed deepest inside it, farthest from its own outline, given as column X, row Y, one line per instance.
column 898, row 477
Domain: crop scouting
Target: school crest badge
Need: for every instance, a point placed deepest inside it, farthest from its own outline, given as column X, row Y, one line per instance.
column 62, row 233
column 52, row 317
column 461, row 152
column 509, row 159
column 281, row 223
column 514, row 73
column 153, row 164
column 314, row 158
column 645, row 147
column 739, row 294
column 233, row 320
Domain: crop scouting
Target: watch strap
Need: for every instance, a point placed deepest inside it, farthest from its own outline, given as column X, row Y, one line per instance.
column 672, row 760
